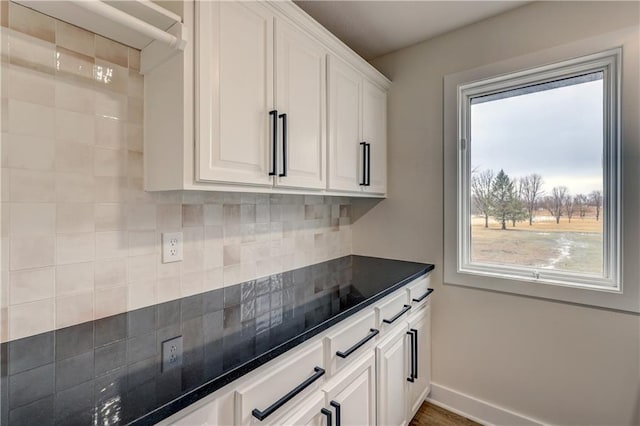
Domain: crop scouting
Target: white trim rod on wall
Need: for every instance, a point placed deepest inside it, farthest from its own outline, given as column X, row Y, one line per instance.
column 109, row 12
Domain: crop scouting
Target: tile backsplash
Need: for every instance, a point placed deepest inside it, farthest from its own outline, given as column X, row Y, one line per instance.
column 80, row 237
column 108, row 371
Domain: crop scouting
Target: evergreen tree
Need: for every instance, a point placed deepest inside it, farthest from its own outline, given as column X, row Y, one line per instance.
column 502, row 193
column 518, row 206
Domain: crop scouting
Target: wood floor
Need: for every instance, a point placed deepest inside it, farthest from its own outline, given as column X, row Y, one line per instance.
column 433, row 415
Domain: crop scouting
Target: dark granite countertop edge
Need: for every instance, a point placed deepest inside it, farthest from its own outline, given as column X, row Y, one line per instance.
column 224, row 379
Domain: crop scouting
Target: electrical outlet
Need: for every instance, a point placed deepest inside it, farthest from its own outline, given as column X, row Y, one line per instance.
column 171, row 353
column 171, row 247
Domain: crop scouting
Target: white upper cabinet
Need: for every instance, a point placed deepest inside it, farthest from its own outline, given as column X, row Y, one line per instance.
column 300, row 101
column 234, row 92
column 346, row 150
column 374, row 133
column 251, row 131
column 357, row 131
column 252, row 106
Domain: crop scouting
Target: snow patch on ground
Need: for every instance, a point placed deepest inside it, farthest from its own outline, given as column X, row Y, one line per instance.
column 565, row 246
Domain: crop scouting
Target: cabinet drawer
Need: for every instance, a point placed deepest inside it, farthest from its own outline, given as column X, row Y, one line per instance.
column 392, row 311
column 296, row 376
column 348, row 342
column 418, row 291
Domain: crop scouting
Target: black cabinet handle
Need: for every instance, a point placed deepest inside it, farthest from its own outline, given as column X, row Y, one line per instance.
column 368, row 149
column 411, row 377
column 415, row 345
column 274, row 142
column 364, row 163
column 372, row 333
column 337, row 407
column 261, row 415
column 421, row 298
column 328, row 414
column 398, row 315
column 284, row 145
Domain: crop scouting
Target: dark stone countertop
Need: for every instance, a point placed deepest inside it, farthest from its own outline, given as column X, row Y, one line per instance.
column 108, row 371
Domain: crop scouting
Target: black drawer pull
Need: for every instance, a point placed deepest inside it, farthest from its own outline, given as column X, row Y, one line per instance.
column 328, row 414
column 412, row 375
column 372, row 333
column 337, row 407
column 274, row 142
column 284, row 145
column 421, row 298
column 364, row 164
column 368, row 147
column 415, row 343
column 398, row 315
column 261, row 415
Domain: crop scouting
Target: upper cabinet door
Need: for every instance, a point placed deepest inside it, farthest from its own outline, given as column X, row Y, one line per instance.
column 374, row 132
column 345, row 158
column 300, row 101
column 234, row 93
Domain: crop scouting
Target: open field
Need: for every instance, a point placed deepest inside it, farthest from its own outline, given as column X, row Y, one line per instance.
column 575, row 246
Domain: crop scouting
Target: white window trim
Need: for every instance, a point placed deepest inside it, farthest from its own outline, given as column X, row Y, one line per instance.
column 607, row 62
column 581, row 289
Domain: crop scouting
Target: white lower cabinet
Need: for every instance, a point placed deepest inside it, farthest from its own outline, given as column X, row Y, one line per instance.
column 420, row 325
column 203, row 416
column 404, row 369
column 263, row 400
column 393, row 358
column 351, row 395
column 382, row 378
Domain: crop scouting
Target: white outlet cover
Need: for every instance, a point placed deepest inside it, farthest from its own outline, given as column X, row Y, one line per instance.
column 171, row 247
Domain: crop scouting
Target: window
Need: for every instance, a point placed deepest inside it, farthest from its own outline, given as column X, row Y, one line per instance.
column 538, row 175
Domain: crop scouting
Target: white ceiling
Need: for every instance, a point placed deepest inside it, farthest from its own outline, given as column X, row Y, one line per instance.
column 374, row 28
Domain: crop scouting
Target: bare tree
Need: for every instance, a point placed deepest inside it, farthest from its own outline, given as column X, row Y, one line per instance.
column 555, row 202
column 481, row 183
column 595, row 199
column 569, row 206
column 582, row 204
column 531, row 187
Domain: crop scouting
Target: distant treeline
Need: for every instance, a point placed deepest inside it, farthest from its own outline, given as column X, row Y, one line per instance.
column 516, row 199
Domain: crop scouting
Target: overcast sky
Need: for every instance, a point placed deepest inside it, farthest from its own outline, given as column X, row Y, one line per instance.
column 556, row 133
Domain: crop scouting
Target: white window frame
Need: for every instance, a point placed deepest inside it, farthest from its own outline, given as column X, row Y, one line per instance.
column 608, row 63
column 606, row 52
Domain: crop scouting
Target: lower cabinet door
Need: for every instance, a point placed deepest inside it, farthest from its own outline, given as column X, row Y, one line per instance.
column 420, row 321
column 311, row 412
column 351, row 394
column 393, row 359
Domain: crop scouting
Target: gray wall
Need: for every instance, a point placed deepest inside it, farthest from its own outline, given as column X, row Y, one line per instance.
column 554, row 362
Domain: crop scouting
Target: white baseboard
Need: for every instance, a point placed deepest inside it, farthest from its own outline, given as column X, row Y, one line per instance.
column 475, row 409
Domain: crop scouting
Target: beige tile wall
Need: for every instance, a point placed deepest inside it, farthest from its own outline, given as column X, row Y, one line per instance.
column 80, row 238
